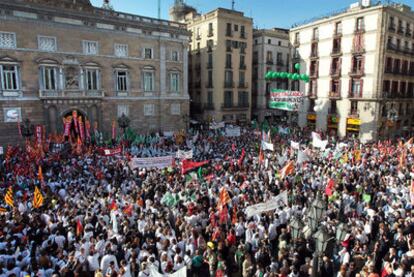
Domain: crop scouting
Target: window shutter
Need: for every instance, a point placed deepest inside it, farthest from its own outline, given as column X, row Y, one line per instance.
column 350, row 86
column 42, row 85
column 361, row 87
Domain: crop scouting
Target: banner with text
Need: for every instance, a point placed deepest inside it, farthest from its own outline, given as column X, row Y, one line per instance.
column 232, row 132
column 270, row 205
column 153, row 162
column 285, row 100
column 184, row 155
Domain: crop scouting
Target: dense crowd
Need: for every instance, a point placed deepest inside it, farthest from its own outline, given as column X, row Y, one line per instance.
column 101, row 218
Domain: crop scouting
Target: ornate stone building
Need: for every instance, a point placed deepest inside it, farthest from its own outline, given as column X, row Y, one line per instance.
column 57, row 56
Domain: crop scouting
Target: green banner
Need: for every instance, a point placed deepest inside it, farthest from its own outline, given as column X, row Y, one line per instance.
column 286, row 106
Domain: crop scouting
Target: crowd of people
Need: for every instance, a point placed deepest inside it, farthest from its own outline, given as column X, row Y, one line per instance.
column 100, row 217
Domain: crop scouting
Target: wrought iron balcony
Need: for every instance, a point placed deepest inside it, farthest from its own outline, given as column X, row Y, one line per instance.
column 71, row 94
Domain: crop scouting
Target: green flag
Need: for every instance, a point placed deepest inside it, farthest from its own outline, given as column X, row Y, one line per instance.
column 366, row 197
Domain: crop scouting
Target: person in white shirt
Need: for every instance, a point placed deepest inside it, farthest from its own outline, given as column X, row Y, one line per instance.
column 106, row 260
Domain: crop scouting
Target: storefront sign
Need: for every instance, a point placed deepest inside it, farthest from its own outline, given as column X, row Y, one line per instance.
column 353, row 121
column 311, row 117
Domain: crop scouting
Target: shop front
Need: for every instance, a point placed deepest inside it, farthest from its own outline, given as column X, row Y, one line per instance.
column 311, row 121
column 333, row 122
column 353, row 126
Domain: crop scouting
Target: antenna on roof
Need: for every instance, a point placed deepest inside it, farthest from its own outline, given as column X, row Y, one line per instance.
column 232, row 4
column 159, row 9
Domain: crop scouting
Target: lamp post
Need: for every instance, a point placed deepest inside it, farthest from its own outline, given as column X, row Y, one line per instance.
column 321, row 238
column 27, row 129
column 123, row 122
column 296, row 225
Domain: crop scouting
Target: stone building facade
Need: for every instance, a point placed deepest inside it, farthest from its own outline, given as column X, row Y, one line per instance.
column 220, row 65
column 60, row 56
column 361, row 67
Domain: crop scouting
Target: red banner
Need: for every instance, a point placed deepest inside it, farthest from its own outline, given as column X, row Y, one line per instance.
column 39, row 134
column 75, row 121
column 109, row 151
column 188, row 165
column 88, row 129
column 81, row 129
column 67, row 123
column 113, row 130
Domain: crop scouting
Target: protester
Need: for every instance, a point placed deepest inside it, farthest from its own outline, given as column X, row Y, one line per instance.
column 99, row 215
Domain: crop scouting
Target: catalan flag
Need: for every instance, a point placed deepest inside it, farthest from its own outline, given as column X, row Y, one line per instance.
column 2, row 210
column 224, row 197
column 37, row 199
column 288, row 169
column 8, row 198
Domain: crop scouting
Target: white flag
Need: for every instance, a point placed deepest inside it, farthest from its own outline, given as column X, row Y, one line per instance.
column 294, row 144
column 302, row 157
column 267, row 146
column 317, row 141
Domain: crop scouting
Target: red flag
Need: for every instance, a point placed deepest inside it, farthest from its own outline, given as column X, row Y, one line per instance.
column 188, row 165
column 81, row 129
column 234, row 215
column 88, row 129
column 113, row 206
column 261, row 156
column 67, row 122
column 75, row 121
column 240, row 161
column 113, row 130
column 40, row 174
column 79, row 228
column 223, row 215
column 128, row 210
column 233, row 147
column 329, row 187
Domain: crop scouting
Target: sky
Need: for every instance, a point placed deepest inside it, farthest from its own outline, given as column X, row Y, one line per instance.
column 266, row 14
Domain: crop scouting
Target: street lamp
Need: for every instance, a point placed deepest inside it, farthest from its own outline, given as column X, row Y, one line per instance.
column 27, row 129
column 321, row 238
column 341, row 232
column 123, row 122
column 296, row 225
column 318, row 207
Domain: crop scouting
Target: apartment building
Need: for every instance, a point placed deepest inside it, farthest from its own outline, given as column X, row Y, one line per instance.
column 61, row 56
column 271, row 52
column 361, row 67
column 220, row 65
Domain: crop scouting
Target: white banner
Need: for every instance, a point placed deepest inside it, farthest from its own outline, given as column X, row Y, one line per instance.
column 182, row 272
column 276, row 202
column 281, row 160
column 232, row 132
column 302, row 157
column 216, row 125
column 184, row 155
column 317, row 142
column 267, row 146
column 294, row 144
column 153, row 162
column 1, row 150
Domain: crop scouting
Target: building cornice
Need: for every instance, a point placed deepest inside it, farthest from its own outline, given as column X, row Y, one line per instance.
column 96, row 15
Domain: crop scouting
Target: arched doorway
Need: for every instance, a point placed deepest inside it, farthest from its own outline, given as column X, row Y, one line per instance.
column 76, row 126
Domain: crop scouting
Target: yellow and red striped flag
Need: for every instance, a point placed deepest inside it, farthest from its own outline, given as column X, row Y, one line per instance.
column 37, row 198
column 288, row 169
column 224, row 197
column 8, row 198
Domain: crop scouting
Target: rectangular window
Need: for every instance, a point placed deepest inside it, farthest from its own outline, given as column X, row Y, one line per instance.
column 210, row 98
column 360, row 24
column 236, row 27
column 241, row 78
column 210, row 29
column 315, row 34
column 148, row 81
column 228, row 61
column 46, row 43
column 356, row 88
column 174, row 56
column 149, row 109
column 49, row 78
column 121, row 50
column 92, row 79
column 338, row 28
column 210, row 79
column 121, row 80
column 10, row 77
column 228, row 77
column 243, row 99
column 148, row 53
column 269, row 57
column 297, row 38
column 7, row 40
column 242, row 62
column 228, row 99
column 175, row 82
column 242, row 32
column 175, row 109
column 228, row 30
column 123, row 109
column 90, row 47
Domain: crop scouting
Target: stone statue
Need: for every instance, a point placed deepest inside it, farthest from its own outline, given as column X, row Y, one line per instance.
column 71, row 78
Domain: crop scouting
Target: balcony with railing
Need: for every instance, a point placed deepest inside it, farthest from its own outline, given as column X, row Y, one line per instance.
column 358, row 49
column 209, row 85
column 404, row 50
column 71, row 94
column 356, row 72
column 243, row 85
column 210, row 33
column 391, row 27
column 210, row 65
column 355, row 94
column 312, row 94
column 335, row 94
column 228, row 84
column 269, row 61
column 338, row 33
column 208, row 106
column 243, row 35
column 314, row 74
column 353, row 113
column 314, row 54
column 232, row 107
column 335, row 72
column 296, row 43
column 229, row 33
column 198, row 37
column 408, row 33
column 280, row 63
column 228, row 65
column 242, row 66
column 400, row 30
column 336, row 51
